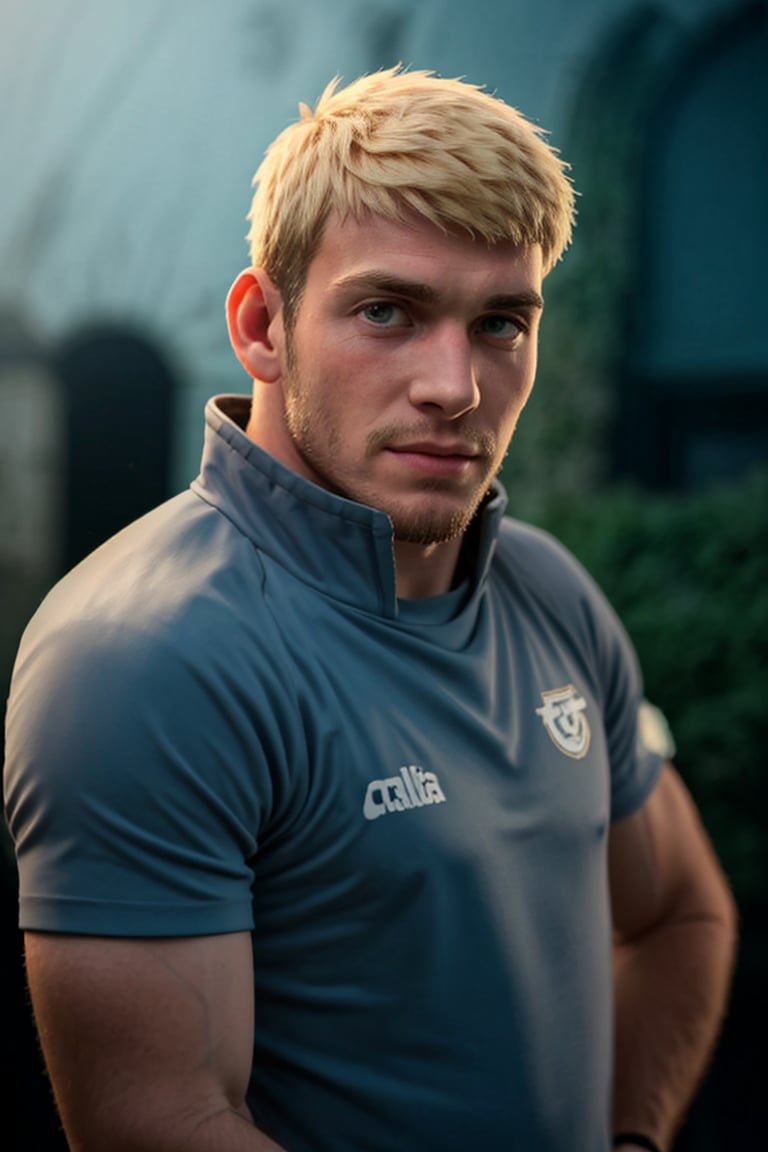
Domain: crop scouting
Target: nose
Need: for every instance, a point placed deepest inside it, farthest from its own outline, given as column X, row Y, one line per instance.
column 444, row 374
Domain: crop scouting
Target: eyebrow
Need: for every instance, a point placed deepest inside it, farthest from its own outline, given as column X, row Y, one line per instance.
column 527, row 299
column 425, row 294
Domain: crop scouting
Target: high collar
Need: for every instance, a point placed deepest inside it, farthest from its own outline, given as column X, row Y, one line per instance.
column 342, row 549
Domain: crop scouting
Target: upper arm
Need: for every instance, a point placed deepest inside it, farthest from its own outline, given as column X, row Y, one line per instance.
column 142, row 1035
column 661, row 864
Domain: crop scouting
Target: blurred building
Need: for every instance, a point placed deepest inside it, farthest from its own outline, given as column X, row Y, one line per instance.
column 130, row 132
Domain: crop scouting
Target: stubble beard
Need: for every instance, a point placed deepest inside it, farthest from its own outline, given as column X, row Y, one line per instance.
column 421, row 527
column 433, row 530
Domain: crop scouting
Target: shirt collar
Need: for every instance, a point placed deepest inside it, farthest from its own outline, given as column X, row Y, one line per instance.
column 341, row 548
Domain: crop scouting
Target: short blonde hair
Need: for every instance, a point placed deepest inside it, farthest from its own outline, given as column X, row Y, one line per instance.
column 396, row 142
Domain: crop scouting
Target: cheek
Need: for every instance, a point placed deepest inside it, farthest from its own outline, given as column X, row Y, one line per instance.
column 509, row 399
column 522, row 391
column 342, row 368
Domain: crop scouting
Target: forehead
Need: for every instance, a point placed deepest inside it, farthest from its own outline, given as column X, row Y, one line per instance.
column 415, row 250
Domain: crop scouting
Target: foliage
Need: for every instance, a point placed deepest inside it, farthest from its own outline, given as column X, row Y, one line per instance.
column 689, row 578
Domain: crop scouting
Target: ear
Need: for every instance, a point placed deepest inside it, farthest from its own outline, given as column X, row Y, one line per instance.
column 255, row 324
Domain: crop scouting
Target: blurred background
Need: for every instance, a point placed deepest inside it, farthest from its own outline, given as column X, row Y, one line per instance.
column 129, row 134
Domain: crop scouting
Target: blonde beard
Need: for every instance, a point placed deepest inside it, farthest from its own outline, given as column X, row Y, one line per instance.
column 422, row 528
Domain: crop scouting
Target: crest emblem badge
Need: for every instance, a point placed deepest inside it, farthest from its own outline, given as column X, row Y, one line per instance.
column 564, row 716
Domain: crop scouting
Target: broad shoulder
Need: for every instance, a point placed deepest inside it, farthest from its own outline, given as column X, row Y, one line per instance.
column 165, row 579
column 538, row 564
column 152, row 568
column 539, row 579
column 142, row 608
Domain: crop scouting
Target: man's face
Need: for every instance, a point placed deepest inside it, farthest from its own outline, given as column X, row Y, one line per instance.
column 411, row 358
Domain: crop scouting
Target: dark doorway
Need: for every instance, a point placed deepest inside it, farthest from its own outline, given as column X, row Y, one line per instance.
column 119, row 398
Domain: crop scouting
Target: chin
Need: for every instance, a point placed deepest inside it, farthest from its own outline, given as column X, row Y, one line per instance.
column 431, row 528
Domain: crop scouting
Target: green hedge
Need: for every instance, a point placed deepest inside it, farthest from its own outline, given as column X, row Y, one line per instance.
column 689, row 578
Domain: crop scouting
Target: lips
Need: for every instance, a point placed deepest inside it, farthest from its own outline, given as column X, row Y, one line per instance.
column 430, row 448
column 440, row 462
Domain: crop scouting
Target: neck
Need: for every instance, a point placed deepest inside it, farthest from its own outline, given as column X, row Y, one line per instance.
column 424, row 570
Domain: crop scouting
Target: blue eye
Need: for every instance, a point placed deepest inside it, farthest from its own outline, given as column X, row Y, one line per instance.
column 382, row 313
column 501, row 326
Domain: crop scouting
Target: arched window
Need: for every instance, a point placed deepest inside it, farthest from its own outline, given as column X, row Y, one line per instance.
column 694, row 404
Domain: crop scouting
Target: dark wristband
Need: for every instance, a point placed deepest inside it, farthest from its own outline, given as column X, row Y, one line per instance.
column 636, row 1138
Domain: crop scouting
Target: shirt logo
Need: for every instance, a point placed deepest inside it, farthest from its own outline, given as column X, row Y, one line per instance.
column 565, row 721
column 413, row 788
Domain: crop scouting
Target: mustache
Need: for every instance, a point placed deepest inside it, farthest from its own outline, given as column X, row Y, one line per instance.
column 484, row 443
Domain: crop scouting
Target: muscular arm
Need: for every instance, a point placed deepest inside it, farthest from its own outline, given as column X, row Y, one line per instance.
column 674, row 942
column 148, row 1042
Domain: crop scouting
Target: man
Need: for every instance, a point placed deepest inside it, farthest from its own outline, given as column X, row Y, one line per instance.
column 326, row 781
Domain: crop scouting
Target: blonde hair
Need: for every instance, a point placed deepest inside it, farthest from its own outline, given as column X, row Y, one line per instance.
column 399, row 141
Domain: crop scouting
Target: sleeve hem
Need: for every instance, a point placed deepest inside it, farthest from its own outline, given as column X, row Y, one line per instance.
column 97, row 918
column 629, row 802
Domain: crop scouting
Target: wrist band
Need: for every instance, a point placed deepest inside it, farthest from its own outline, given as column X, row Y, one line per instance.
column 636, row 1138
